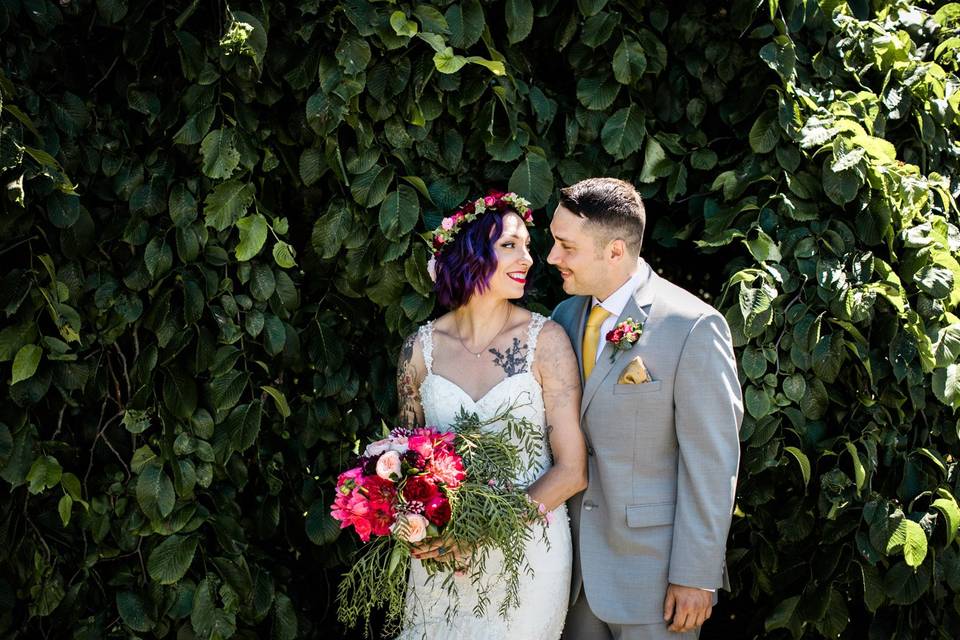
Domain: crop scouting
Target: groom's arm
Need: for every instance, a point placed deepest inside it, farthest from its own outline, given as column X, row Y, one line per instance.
column 708, row 412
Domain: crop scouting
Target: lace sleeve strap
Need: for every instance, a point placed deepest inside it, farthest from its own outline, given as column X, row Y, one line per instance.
column 533, row 332
column 426, row 343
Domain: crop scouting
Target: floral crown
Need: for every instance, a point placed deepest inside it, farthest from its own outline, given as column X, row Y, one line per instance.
column 443, row 236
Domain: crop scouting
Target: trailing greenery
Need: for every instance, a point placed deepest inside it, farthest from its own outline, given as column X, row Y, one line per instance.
column 209, row 239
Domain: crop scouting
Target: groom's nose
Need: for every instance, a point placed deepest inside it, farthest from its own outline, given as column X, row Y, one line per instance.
column 552, row 256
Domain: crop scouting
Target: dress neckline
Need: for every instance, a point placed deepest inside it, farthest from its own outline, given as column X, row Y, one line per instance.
column 486, row 394
column 534, row 326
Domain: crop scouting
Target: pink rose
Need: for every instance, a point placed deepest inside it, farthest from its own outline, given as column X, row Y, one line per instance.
column 410, row 527
column 388, row 466
column 490, row 201
column 447, row 224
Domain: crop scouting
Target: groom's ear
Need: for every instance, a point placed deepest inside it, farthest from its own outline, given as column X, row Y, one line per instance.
column 617, row 249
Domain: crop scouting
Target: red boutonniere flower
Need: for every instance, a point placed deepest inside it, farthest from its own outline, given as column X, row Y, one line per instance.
column 625, row 335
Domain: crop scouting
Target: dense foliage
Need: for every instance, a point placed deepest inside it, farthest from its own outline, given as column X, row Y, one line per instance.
column 209, row 238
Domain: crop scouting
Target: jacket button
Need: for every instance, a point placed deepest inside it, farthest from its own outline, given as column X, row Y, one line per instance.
column 589, row 506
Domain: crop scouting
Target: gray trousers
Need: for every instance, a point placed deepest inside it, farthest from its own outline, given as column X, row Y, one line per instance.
column 582, row 624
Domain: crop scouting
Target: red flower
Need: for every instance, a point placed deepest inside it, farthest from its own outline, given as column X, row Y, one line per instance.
column 438, row 511
column 469, row 208
column 381, row 516
column 615, row 335
column 379, row 490
column 420, row 489
column 437, row 241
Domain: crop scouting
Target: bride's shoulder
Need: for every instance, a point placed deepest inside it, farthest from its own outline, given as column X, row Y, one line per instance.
column 553, row 343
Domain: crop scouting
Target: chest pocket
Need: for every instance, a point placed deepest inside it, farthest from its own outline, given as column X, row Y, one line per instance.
column 652, row 387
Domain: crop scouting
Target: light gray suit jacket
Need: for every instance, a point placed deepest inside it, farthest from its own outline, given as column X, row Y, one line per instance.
column 662, row 455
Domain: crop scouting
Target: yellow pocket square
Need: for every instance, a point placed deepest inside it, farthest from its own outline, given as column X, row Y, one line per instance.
column 635, row 373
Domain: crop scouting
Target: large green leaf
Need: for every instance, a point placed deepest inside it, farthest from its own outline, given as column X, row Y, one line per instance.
column 25, row 363
column 321, row 528
column 623, row 133
column 947, row 506
column 179, row 393
column 597, row 93
column 220, row 155
column 155, row 492
column 910, row 540
column 170, row 560
column 765, row 133
column 253, row 234
column 533, row 179
column 656, row 164
column 133, row 611
column 519, row 16
column 226, row 203
column 466, row 23
column 946, row 385
column 44, row 474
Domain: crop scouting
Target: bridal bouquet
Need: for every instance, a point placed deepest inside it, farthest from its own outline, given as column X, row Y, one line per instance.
column 421, row 484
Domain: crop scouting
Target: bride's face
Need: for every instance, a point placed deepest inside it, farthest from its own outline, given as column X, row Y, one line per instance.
column 512, row 249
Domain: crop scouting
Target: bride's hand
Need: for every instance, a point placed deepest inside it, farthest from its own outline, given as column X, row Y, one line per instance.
column 442, row 551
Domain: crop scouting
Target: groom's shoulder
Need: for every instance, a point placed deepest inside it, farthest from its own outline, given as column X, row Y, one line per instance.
column 684, row 303
column 563, row 311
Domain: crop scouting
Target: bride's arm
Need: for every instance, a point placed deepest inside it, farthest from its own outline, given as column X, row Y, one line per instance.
column 555, row 365
column 410, row 373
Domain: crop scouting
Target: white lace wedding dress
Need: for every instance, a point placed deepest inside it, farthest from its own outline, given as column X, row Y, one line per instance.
column 544, row 595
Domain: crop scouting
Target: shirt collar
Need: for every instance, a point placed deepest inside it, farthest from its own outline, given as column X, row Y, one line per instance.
column 617, row 301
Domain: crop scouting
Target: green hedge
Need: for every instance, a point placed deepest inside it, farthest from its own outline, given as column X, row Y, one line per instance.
column 209, row 239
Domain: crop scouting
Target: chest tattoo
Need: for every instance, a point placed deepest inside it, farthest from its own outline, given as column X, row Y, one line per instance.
column 514, row 361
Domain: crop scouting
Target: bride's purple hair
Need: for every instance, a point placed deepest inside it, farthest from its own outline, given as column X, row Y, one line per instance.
column 465, row 266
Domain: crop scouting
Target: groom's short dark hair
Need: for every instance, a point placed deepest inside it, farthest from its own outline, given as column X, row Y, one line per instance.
column 613, row 205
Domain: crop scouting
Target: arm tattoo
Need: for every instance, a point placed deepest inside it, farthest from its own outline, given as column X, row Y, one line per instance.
column 514, row 361
column 408, row 391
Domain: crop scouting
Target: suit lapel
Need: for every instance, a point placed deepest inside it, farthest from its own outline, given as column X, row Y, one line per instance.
column 638, row 308
column 579, row 321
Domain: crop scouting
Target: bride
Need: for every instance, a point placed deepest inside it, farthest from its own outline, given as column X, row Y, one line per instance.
column 486, row 354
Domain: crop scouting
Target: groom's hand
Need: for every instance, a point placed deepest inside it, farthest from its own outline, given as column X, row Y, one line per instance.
column 687, row 607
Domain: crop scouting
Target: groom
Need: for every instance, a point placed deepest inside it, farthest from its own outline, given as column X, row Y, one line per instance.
column 661, row 418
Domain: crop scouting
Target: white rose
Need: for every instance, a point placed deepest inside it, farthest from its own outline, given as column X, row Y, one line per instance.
column 410, row 527
column 388, row 465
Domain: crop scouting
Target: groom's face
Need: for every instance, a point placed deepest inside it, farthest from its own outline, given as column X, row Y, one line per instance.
column 576, row 255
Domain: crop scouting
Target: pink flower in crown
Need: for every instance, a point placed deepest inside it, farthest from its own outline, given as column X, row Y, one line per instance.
column 447, row 224
column 490, row 201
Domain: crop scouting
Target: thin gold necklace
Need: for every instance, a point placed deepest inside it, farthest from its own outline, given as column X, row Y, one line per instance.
column 497, row 335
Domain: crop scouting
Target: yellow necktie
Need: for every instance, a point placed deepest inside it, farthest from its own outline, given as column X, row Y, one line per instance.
column 591, row 337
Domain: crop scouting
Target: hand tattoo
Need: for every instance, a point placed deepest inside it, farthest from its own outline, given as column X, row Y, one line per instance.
column 514, row 361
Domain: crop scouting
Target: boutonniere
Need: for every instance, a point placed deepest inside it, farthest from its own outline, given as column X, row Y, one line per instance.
column 624, row 335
